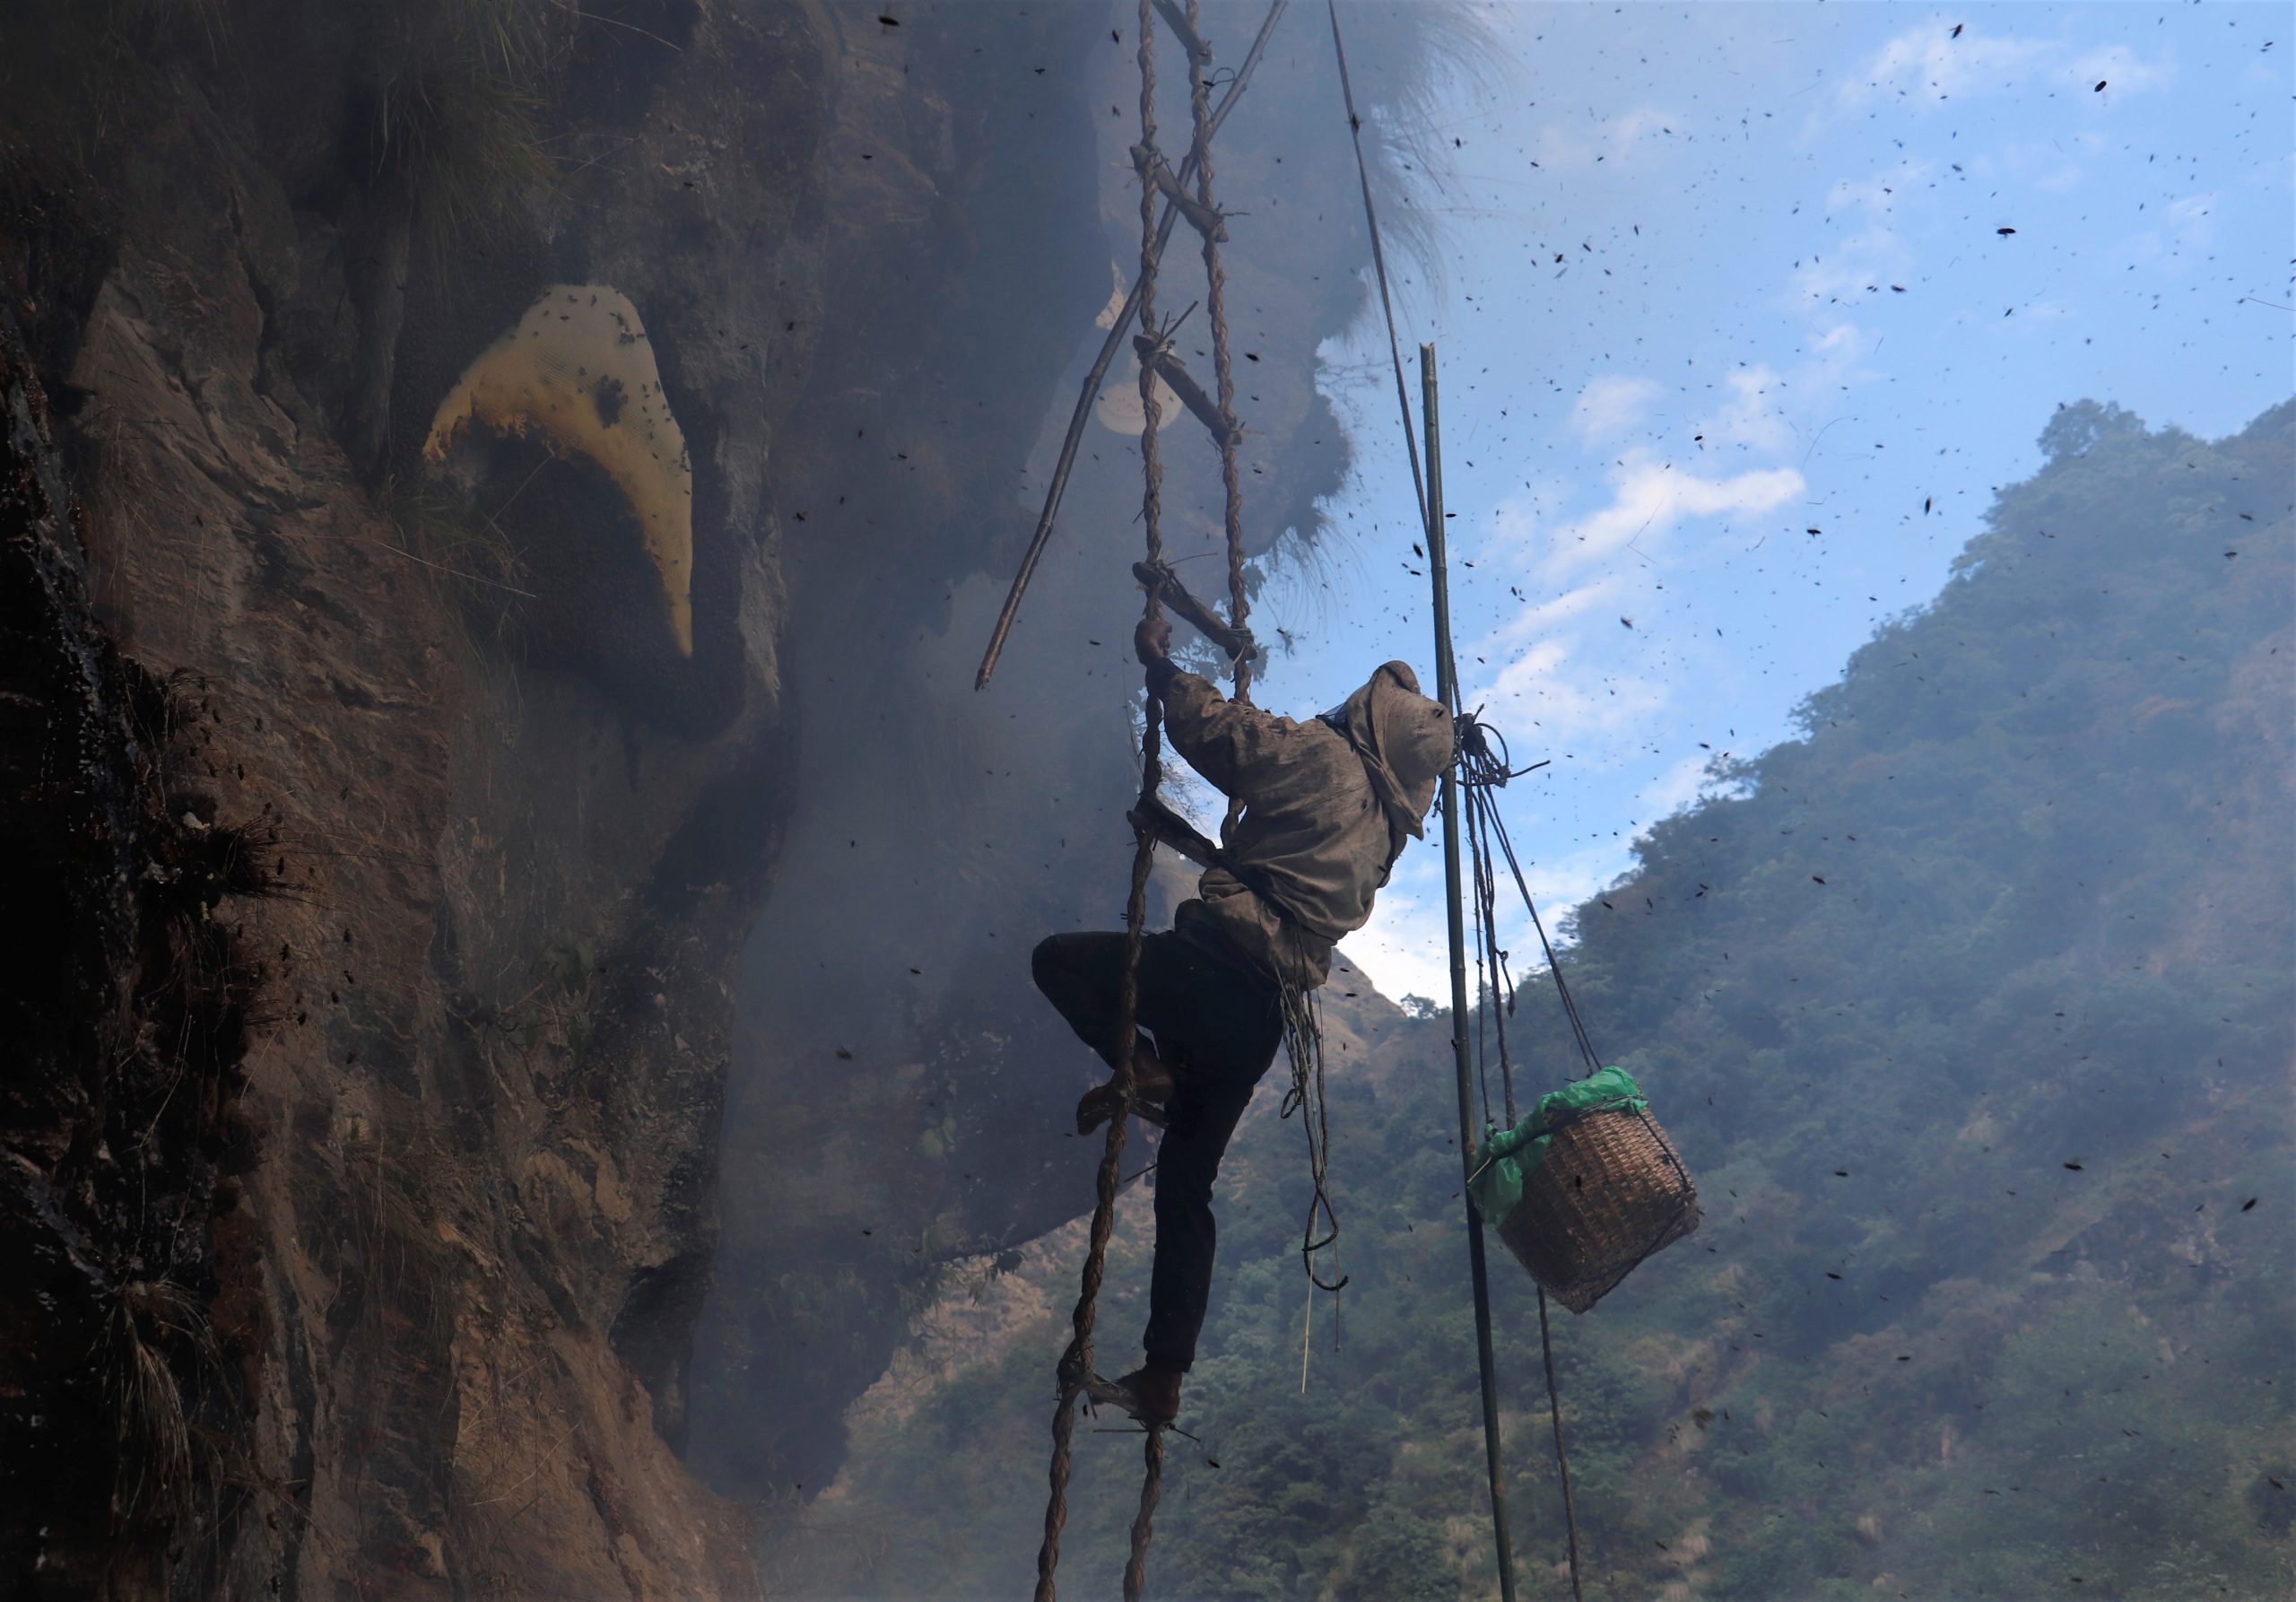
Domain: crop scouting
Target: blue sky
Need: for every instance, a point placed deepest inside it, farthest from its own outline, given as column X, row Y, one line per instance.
column 1725, row 300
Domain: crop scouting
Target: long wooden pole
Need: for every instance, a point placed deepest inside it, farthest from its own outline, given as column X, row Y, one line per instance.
column 1447, row 691
column 1059, row 486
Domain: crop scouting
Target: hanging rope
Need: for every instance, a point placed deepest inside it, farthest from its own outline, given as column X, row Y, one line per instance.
column 1379, row 264
column 1076, row 1363
column 1216, row 302
column 1487, row 770
column 1303, row 1046
column 1151, row 1490
column 1434, row 535
column 1495, row 993
column 1157, row 366
column 1484, row 767
column 1483, row 763
column 1481, row 770
column 1561, row 1458
column 1484, row 771
column 1302, row 1030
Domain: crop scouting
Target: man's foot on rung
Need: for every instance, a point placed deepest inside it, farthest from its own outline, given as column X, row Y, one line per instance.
column 1151, row 1395
column 1099, row 1104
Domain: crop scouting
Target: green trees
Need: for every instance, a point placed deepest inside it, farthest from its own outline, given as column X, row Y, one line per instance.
column 1981, row 1306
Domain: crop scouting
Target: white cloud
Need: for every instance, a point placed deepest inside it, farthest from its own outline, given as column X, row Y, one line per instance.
column 1753, row 414
column 1927, row 63
column 1884, row 191
column 1563, row 147
column 1567, row 704
column 1671, row 790
column 1649, row 496
column 1612, row 404
column 1544, row 617
column 1559, row 883
column 2181, row 242
column 1546, row 658
column 1404, row 948
column 1927, row 66
column 2116, row 67
column 2063, row 177
column 1865, row 264
column 1766, row 411
column 1874, row 256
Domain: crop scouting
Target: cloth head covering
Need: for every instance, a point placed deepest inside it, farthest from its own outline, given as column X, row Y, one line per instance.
column 1403, row 739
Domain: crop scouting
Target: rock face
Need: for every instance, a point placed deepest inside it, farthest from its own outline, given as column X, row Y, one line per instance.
column 515, row 820
column 125, row 995
column 575, row 735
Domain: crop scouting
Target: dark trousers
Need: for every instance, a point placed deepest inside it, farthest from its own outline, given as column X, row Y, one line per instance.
column 1217, row 1029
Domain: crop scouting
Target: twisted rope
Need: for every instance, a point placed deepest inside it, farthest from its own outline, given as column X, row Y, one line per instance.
column 1076, row 1362
column 1144, row 855
column 1496, row 999
column 1561, row 1458
column 1378, row 261
column 1223, row 372
column 1151, row 1488
column 1483, row 771
column 1303, row 1044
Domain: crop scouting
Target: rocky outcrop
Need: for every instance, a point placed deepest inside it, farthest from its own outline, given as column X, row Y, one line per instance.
column 516, row 817
column 595, row 672
column 128, row 991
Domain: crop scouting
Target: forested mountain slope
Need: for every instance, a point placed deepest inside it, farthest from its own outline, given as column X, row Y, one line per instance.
column 1970, row 1009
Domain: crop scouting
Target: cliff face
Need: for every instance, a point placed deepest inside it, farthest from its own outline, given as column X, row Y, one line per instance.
column 521, row 488
column 519, row 786
column 126, row 1001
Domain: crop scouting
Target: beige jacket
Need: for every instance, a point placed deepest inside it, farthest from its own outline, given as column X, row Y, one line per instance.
column 1329, row 806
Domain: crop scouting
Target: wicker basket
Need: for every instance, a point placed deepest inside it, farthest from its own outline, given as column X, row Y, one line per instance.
column 1611, row 1192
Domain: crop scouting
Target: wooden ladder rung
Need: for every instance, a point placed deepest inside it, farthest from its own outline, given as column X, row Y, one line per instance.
column 1168, row 368
column 1168, row 587
column 1150, row 163
column 1154, row 817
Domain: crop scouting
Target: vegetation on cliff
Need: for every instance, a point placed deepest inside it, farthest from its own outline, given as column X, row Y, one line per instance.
column 126, row 996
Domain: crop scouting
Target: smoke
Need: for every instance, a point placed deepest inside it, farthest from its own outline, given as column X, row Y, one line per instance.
column 901, row 1097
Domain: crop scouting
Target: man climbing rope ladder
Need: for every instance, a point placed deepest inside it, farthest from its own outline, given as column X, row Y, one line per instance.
column 1329, row 806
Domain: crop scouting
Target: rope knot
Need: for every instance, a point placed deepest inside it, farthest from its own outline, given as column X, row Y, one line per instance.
column 1075, row 1370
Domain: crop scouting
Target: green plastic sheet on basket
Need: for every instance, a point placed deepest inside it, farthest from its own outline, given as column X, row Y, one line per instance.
column 1511, row 1156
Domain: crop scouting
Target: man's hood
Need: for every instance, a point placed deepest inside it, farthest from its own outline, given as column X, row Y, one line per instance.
column 1403, row 739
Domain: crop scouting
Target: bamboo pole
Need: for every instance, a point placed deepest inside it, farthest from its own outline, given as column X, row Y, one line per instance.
column 1447, row 691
